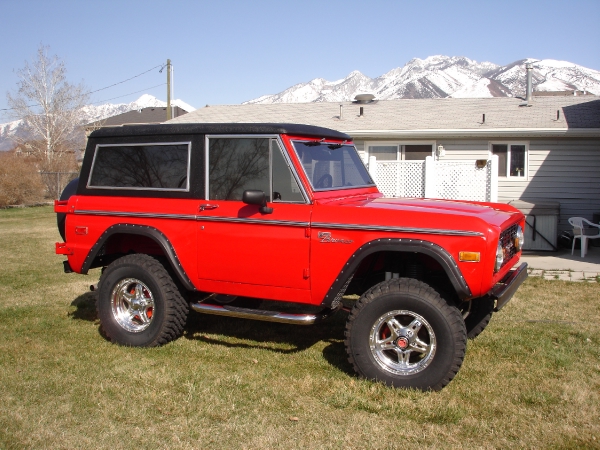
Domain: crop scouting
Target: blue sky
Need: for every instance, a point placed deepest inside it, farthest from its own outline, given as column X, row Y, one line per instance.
column 226, row 51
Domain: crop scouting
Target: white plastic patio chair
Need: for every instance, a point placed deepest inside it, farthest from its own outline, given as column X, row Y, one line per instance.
column 579, row 231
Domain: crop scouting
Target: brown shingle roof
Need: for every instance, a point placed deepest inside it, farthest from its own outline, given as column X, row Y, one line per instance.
column 144, row 115
column 502, row 114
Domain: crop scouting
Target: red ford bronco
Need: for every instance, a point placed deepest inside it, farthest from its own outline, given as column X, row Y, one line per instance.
column 217, row 217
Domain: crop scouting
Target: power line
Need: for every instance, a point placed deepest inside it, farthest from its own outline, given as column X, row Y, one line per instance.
column 124, row 81
column 101, row 89
column 121, row 96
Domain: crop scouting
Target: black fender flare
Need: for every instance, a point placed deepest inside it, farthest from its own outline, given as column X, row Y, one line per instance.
column 439, row 254
column 69, row 190
column 143, row 230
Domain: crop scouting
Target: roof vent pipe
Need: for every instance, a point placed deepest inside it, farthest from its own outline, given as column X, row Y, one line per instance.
column 341, row 112
column 362, row 112
column 364, row 98
column 529, row 68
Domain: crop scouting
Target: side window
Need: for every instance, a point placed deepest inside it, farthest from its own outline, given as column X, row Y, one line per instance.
column 235, row 165
column 145, row 166
column 384, row 152
column 285, row 187
column 417, row 152
column 396, row 151
column 512, row 160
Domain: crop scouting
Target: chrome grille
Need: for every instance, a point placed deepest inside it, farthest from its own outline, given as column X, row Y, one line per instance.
column 507, row 239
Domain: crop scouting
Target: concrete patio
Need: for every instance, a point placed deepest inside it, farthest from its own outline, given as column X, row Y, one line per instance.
column 562, row 265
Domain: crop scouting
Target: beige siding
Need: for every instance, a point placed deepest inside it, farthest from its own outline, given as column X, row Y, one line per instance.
column 561, row 170
column 464, row 149
column 360, row 147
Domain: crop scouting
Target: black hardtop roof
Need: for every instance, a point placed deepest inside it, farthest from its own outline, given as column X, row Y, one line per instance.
column 220, row 128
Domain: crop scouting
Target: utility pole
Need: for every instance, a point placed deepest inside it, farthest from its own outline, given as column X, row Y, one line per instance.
column 169, row 115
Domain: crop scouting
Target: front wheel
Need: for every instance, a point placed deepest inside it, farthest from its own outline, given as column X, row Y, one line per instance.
column 402, row 333
column 139, row 305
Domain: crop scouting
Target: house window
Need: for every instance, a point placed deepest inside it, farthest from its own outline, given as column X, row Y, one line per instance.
column 384, row 152
column 512, row 159
column 400, row 152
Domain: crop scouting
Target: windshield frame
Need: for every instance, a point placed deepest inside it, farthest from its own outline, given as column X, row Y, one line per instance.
column 329, row 143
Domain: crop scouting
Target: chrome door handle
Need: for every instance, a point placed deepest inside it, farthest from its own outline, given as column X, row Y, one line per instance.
column 208, row 206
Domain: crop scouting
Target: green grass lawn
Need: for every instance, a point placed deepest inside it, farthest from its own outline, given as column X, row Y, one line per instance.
column 532, row 379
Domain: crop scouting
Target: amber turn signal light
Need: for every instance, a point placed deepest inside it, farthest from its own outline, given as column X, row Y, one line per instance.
column 469, row 256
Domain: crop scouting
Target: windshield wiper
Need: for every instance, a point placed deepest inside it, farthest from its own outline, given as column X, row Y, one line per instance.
column 313, row 143
column 336, row 146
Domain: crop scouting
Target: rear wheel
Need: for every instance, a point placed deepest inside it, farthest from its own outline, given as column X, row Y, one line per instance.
column 402, row 333
column 139, row 305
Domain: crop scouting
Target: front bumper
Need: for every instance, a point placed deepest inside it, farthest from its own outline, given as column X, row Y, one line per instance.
column 503, row 291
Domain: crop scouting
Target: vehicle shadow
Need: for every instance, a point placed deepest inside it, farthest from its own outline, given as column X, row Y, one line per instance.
column 248, row 334
column 269, row 336
column 85, row 306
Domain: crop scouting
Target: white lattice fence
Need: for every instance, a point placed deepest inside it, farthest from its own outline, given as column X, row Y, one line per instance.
column 456, row 180
column 462, row 180
column 400, row 178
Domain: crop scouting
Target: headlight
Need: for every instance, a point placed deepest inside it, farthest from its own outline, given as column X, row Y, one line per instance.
column 519, row 239
column 499, row 257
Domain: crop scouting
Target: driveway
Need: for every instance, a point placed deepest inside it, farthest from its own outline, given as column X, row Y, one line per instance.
column 562, row 265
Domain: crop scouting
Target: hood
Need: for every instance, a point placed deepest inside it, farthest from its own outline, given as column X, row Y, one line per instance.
column 426, row 213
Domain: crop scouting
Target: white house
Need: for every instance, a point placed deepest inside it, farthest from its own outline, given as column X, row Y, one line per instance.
column 547, row 150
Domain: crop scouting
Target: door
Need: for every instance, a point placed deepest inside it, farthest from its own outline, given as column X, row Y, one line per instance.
column 239, row 244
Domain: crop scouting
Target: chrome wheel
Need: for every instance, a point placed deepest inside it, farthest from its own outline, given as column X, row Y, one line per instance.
column 402, row 342
column 402, row 333
column 132, row 305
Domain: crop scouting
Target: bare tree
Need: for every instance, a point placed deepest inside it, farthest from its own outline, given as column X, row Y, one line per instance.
column 50, row 108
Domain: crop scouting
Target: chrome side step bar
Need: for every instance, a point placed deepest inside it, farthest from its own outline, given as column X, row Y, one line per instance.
column 259, row 314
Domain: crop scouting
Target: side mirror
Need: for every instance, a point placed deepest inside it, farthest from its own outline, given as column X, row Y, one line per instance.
column 256, row 197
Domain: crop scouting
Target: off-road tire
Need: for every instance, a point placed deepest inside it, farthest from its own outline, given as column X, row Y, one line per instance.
column 479, row 316
column 434, row 351
column 143, row 275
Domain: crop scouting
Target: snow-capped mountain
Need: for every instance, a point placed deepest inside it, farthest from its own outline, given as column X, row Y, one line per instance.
column 92, row 113
column 8, row 130
column 99, row 112
column 444, row 76
column 548, row 75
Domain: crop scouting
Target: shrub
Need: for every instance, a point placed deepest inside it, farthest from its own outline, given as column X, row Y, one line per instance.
column 20, row 182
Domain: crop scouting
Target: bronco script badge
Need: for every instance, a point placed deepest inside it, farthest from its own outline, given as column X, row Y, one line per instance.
column 325, row 237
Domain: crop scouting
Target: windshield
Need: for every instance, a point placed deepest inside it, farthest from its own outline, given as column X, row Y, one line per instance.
column 332, row 166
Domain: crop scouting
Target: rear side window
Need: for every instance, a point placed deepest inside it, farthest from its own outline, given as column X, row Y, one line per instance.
column 161, row 166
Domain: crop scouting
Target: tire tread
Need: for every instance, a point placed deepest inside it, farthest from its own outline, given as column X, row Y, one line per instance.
column 424, row 291
column 176, row 308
